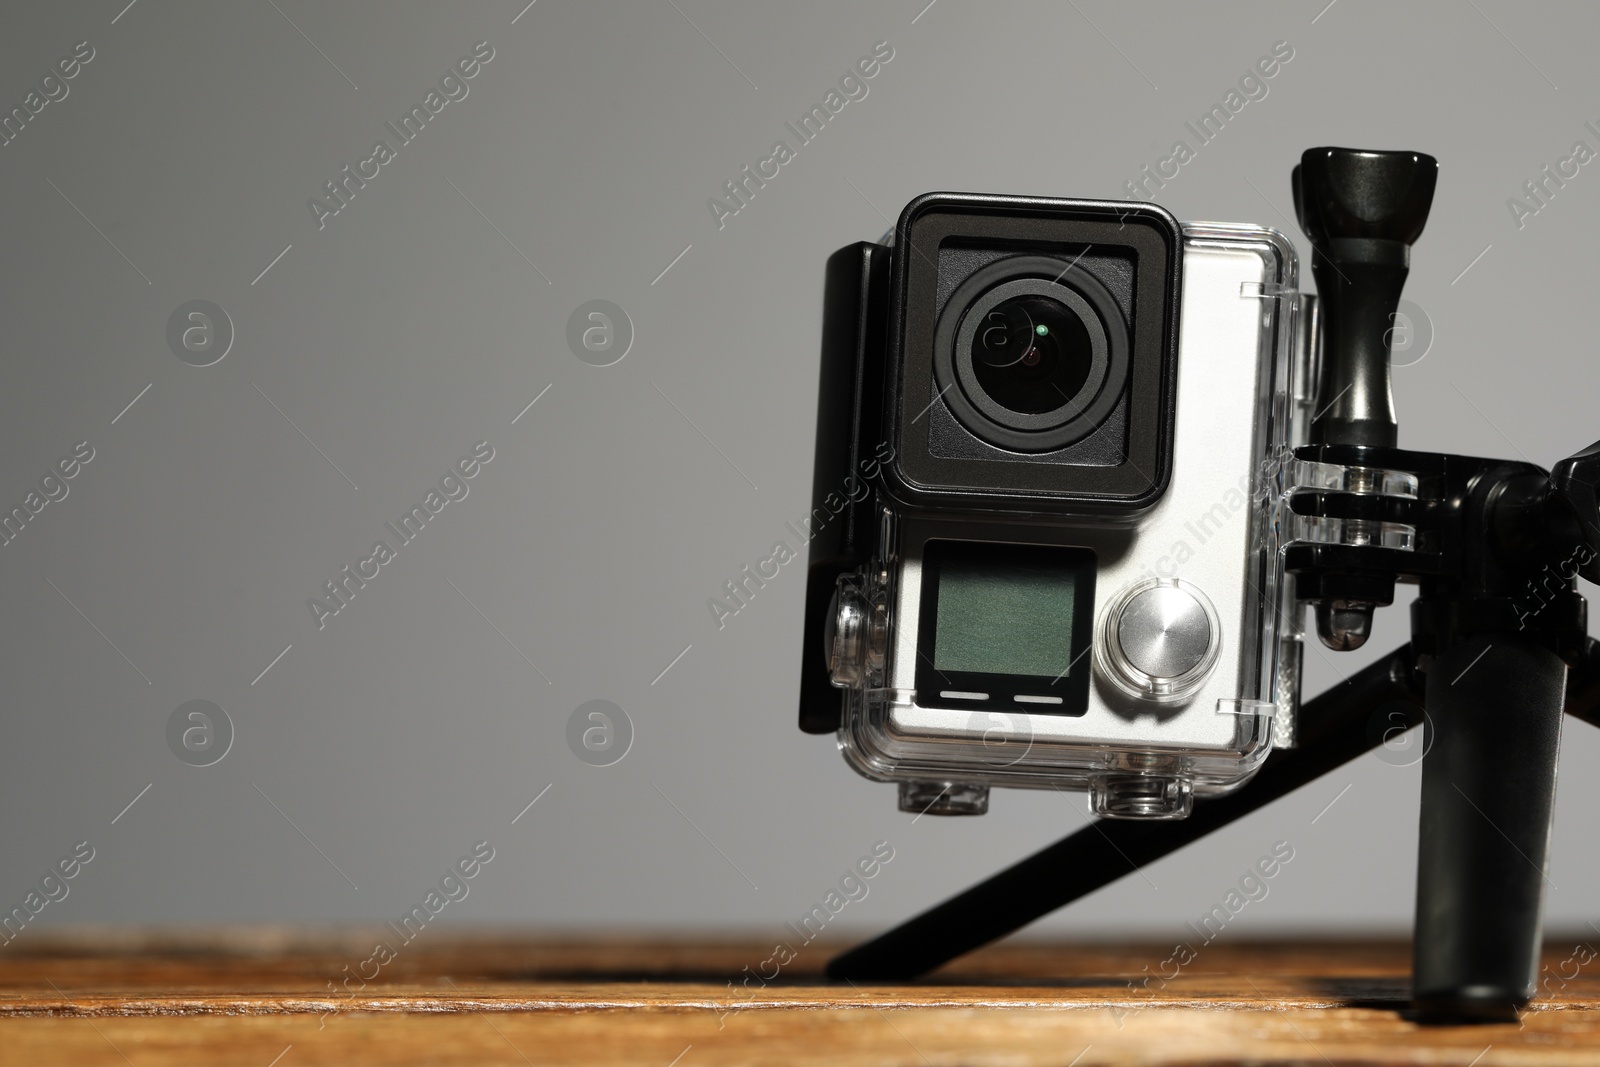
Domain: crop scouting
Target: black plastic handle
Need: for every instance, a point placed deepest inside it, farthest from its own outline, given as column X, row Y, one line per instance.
column 1362, row 211
column 1493, row 729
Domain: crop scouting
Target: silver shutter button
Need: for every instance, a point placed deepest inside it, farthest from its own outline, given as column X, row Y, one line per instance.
column 1164, row 632
column 1159, row 640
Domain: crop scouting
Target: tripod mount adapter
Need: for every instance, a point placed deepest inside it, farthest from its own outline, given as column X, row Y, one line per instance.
column 1499, row 643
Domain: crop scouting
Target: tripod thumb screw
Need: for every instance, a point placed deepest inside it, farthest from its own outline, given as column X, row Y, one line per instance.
column 1577, row 483
column 1362, row 211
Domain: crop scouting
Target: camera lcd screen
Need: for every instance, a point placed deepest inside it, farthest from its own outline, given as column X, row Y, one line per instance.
column 1005, row 626
column 1003, row 618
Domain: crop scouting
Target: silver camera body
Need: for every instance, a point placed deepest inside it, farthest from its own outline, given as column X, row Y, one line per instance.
column 1068, row 570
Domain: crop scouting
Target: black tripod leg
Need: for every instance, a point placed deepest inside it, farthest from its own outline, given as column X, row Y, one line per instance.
column 1335, row 728
column 1488, row 783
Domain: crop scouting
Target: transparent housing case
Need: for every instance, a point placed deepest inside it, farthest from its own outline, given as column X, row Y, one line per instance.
column 1245, row 374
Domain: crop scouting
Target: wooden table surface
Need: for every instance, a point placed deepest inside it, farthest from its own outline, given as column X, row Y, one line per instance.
column 266, row 998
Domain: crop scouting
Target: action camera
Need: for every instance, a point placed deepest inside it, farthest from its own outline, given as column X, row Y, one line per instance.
column 1095, row 464
column 1045, row 545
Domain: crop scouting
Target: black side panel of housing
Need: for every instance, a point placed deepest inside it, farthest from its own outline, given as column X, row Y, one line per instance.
column 849, row 419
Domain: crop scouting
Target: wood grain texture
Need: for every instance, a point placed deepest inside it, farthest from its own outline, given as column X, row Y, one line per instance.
column 270, row 997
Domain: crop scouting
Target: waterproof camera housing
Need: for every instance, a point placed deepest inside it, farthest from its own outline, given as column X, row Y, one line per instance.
column 1045, row 545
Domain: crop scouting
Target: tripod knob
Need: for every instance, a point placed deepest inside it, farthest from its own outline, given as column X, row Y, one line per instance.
column 1577, row 482
column 1362, row 212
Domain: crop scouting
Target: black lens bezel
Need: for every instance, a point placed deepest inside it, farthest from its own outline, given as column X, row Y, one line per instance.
column 1149, row 237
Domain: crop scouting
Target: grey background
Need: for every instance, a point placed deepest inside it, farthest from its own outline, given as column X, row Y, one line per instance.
column 409, row 328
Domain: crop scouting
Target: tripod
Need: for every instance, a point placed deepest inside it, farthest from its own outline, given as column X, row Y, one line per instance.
column 1499, row 639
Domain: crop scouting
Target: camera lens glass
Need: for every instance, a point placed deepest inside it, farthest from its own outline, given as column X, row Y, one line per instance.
column 1031, row 354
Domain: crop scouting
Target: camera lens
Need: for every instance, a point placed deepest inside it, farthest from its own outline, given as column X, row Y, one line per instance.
column 1031, row 354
